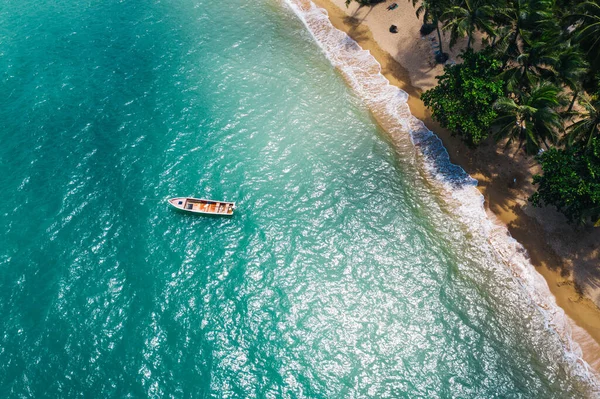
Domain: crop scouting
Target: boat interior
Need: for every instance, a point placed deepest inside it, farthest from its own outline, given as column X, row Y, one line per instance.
column 205, row 206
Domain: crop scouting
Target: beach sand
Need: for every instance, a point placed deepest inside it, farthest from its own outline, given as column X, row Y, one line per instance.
column 566, row 256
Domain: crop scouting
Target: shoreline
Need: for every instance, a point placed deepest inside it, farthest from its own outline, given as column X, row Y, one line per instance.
column 493, row 167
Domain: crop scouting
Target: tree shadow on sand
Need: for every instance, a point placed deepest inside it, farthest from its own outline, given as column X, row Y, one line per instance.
column 373, row 4
column 505, row 180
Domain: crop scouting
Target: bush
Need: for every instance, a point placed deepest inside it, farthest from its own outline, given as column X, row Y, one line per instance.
column 571, row 182
column 463, row 99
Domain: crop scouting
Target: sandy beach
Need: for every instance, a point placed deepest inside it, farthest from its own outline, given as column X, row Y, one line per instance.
column 566, row 256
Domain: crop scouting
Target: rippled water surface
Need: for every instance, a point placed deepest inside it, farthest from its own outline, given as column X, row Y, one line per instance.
column 342, row 274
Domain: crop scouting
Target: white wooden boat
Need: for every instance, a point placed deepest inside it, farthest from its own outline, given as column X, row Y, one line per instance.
column 203, row 206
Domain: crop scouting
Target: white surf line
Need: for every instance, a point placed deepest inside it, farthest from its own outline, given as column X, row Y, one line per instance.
column 363, row 74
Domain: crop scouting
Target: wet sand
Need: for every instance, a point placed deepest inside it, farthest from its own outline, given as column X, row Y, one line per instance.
column 567, row 257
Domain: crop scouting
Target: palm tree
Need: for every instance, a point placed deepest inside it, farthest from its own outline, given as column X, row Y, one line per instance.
column 514, row 16
column 532, row 120
column 523, row 18
column 535, row 60
column 464, row 19
column 432, row 11
column 570, row 67
column 587, row 29
column 588, row 126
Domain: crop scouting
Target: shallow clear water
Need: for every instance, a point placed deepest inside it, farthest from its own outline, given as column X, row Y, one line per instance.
column 343, row 273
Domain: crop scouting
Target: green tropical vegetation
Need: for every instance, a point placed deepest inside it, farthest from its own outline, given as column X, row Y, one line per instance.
column 534, row 81
column 530, row 117
column 464, row 97
column 588, row 125
column 465, row 17
column 571, row 181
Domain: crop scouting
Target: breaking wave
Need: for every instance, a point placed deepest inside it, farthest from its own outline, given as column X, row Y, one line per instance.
column 389, row 105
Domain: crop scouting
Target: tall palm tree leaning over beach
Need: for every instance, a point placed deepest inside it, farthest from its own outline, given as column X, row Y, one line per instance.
column 532, row 120
column 462, row 20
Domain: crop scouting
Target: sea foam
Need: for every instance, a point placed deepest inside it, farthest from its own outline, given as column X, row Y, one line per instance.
column 389, row 104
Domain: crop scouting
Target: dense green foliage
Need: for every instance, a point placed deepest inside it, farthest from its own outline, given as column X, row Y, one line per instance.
column 465, row 17
column 587, row 23
column 531, row 119
column 463, row 99
column 571, row 181
column 536, row 81
column 588, row 126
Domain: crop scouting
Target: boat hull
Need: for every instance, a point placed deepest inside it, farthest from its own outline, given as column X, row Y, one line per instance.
column 200, row 206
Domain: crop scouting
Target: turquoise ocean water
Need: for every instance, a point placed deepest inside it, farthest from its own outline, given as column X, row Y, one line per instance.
column 344, row 273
